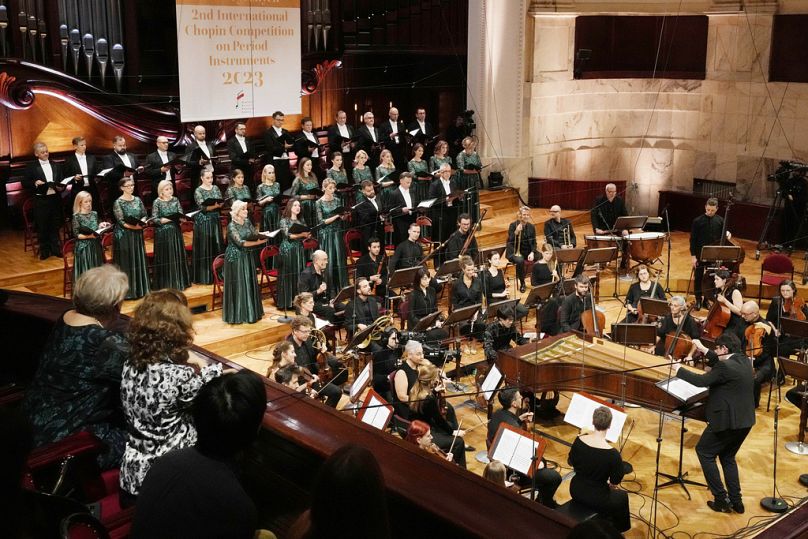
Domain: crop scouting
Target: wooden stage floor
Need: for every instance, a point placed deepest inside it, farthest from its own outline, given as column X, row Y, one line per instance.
column 250, row 346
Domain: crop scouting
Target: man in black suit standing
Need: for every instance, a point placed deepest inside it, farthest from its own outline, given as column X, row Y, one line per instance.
column 393, row 135
column 43, row 176
column 278, row 143
column 730, row 415
column 402, row 202
column 82, row 168
column 369, row 139
column 203, row 157
column 705, row 230
column 367, row 216
column 242, row 154
column 336, row 133
column 444, row 212
column 307, row 145
column 116, row 160
column 425, row 131
column 157, row 167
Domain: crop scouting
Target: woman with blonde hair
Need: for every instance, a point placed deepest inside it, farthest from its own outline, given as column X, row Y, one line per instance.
column 87, row 252
column 241, row 300
column 170, row 260
column 361, row 172
column 129, row 249
column 160, row 381
column 384, row 170
column 469, row 166
column 267, row 196
column 330, row 235
column 496, row 472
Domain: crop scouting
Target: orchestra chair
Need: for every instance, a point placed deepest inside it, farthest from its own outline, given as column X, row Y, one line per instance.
column 106, row 244
column 774, row 269
column 67, row 269
column 218, row 283
column 82, row 526
column 389, row 248
column 404, row 313
column 102, row 188
column 350, row 235
column 310, row 244
column 30, row 239
column 269, row 277
column 425, row 241
column 577, row 511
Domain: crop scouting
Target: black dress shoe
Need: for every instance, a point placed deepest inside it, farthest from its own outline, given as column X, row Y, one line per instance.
column 522, row 288
column 470, row 448
column 698, row 305
column 738, row 507
column 719, row 506
column 43, row 255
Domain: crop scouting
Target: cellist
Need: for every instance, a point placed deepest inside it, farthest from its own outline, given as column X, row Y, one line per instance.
column 759, row 344
column 787, row 305
column 575, row 304
column 671, row 321
column 729, row 296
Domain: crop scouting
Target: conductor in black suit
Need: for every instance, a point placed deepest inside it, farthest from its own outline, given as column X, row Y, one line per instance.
column 195, row 166
column 368, row 139
column 336, row 133
column 83, row 168
column 278, row 144
column 157, row 167
column 367, row 216
column 394, row 138
column 402, row 202
column 242, row 154
column 118, row 157
column 730, row 414
column 43, row 177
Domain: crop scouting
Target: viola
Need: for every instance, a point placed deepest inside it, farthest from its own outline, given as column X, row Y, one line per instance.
column 755, row 333
column 793, row 307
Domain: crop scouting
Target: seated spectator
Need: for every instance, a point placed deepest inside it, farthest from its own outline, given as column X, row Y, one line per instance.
column 160, row 380
column 193, row 492
column 354, row 473
column 77, row 383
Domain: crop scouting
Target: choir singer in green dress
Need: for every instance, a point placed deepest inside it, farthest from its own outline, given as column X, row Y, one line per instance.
column 242, row 298
column 330, row 235
column 469, row 166
column 303, row 188
column 128, row 248
column 292, row 258
column 267, row 198
column 88, row 252
column 207, row 230
column 170, row 260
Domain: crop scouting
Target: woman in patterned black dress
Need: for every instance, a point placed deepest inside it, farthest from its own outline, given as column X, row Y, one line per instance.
column 361, row 172
column 340, row 177
column 330, row 235
column 269, row 191
column 291, row 258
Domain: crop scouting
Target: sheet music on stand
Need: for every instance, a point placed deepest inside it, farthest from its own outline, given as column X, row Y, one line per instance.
column 517, row 449
column 491, row 382
column 579, row 414
column 362, row 381
column 684, row 391
column 375, row 411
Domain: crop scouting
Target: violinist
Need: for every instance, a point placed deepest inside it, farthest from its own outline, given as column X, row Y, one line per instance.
column 306, row 356
column 373, row 267
column 729, row 295
column 423, row 301
column 671, row 322
column 575, row 304
column 706, row 230
column 512, row 414
column 427, row 403
column 643, row 288
column 521, row 244
column 759, row 344
column 458, row 240
column 406, row 376
column 787, row 305
column 499, row 334
column 292, row 377
column 420, row 434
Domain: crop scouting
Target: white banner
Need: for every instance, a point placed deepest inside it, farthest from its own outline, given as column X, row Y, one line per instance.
column 238, row 58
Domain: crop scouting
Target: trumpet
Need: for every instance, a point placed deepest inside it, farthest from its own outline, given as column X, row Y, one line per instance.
column 566, row 237
column 378, row 327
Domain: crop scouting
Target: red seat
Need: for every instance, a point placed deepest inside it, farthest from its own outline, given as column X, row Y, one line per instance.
column 188, row 226
column 106, row 244
column 218, row 282
column 404, row 313
column 388, row 233
column 775, row 269
column 349, row 236
column 269, row 276
column 30, row 238
column 68, row 259
column 310, row 244
column 424, row 240
column 148, row 241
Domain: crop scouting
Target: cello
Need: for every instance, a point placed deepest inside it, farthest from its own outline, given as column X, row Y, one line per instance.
column 719, row 315
column 677, row 344
column 593, row 320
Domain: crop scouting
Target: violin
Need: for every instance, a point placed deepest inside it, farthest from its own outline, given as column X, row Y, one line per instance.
column 593, row 320
column 755, row 333
column 719, row 315
column 793, row 307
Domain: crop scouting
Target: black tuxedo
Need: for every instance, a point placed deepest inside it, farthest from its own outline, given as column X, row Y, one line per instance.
column 276, row 149
column 365, row 142
column 112, row 177
column 335, row 139
column 430, row 131
column 367, row 267
column 444, row 218
column 527, row 245
column 241, row 160
column 401, row 221
column 368, row 222
column 730, row 414
column 397, row 148
column 152, row 169
column 361, row 312
column 194, row 168
column 310, row 281
column 48, row 215
column 71, row 167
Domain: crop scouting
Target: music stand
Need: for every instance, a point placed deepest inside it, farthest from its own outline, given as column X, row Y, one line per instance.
column 403, row 278
column 634, row 334
column 495, row 307
column 799, row 371
column 596, row 257
column 627, row 222
column 720, row 253
column 794, row 327
column 460, row 315
column 344, row 295
column 425, row 322
column 540, row 294
column 375, row 411
column 486, row 253
column 358, row 337
column 568, row 256
column 449, row 267
column 654, row 307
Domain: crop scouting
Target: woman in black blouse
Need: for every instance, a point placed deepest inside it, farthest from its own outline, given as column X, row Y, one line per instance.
column 671, row 321
column 544, row 270
column 424, row 405
column 641, row 289
column 423, row 302
column 468, row 291
column 496, row 284
column 598, row 471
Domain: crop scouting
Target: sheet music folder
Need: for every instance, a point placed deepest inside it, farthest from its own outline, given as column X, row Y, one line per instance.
column 517, row 449
column 375, row 411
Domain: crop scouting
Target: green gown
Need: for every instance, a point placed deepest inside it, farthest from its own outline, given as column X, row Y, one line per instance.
column 207, row 236
column 381, row 172
column 269, row 213
column 238, row 193
column 435, row 163
column 417, row 168
column 471, row 203
column 170, row 260
column 87, row 254
column 330, row 238
column 291, row 263
column 341, row 177
column 303, row 187
column 358, row 177
column 129, row 251
column 241, row 302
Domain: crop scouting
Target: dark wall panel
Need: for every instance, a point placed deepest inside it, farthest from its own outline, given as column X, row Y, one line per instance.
column 789, row 43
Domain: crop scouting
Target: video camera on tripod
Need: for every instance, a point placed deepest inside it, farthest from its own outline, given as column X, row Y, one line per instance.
column 434, row 354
